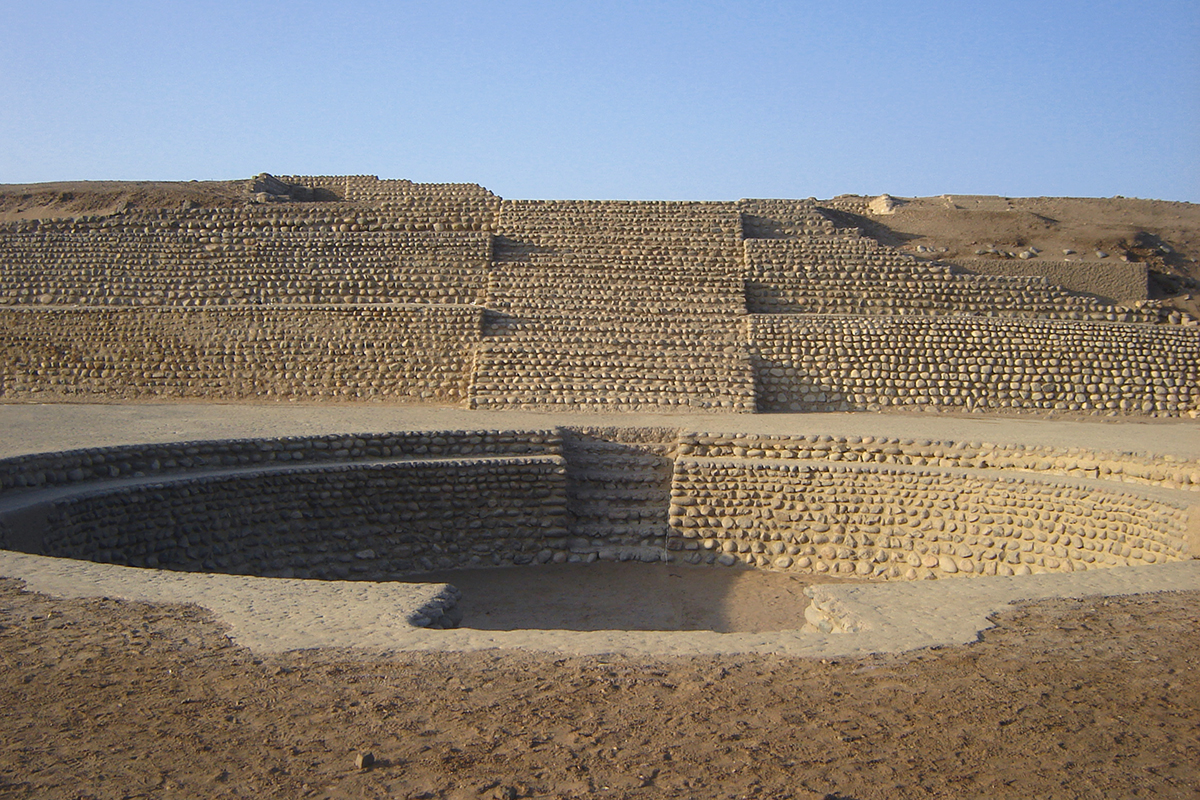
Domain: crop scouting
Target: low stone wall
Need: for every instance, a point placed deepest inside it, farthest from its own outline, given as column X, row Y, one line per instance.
column 886, row 522
column 398, row 352
column 359, row 521
column 1164, row 471
column 1116, row 281
column 79, row 467
column 836, row 363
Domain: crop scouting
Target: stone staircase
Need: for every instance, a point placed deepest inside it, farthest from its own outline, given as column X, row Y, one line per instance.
column 615, row 305
column 619, row 486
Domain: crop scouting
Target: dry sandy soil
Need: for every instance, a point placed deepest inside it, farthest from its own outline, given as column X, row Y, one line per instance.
column 1097, row 698
column 79, row 198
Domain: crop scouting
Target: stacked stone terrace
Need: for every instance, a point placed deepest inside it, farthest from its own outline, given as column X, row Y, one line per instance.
column 799, row 262
column 444, row 293
column 618, row 305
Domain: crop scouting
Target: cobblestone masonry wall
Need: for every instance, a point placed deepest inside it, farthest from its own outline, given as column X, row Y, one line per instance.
column 329, row 522
column 249, row 257
column 880, row 508
column 860, row 276
column 885, row 522
column 853, row 363
column 616, row 305
column 465, row 204
column 619, row 486
column 1164, row 471
column 416, row 352
column 80, row 467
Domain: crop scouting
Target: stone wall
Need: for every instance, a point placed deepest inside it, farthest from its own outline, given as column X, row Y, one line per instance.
column 592, row 304
column 859, row 276
column 378, row 505
column 822, row 363
column 467, row 205
column 360, row 521
column 80, row 467
column 891, row 522
column 618, row 488
column 413, row 353
column 1115, row 281
column 1163, row 471
column 615, row 305
column 78, row 266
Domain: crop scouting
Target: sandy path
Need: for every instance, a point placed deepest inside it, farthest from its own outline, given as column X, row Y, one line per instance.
column 30, row 428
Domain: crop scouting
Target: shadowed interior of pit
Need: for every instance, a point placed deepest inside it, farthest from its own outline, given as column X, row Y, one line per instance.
column 628, row 596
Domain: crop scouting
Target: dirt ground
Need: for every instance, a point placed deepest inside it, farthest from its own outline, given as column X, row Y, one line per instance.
column 78, row 198
column 108, row 699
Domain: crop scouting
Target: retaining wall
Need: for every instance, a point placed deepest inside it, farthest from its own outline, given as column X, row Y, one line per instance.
column 399, row 352
column 360, row 521
column 80, row 467
column 1116, row 281
column 832, row 363
column 1164, row 471
column 887, row 522
column 372, row 505
column 619, row 487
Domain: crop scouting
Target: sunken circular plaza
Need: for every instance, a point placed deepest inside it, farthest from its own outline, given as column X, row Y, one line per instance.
column 386, row 506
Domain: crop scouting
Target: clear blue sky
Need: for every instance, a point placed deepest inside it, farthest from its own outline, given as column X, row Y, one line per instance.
column 639, row 100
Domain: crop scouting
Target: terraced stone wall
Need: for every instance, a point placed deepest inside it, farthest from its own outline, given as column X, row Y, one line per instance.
column 846, row 275
column 360, row 521
column 605, row 305
column 888, row 522
column 468, row 206
column 415, row 352
column 828, row 363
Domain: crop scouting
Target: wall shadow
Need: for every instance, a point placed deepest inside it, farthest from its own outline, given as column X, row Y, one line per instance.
column 626, row 596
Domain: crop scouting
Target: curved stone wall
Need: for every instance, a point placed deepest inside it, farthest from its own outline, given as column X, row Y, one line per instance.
column 383, row 505
column 76, row 468
column 1165, row 471
column 354, row 521
column 887, row 522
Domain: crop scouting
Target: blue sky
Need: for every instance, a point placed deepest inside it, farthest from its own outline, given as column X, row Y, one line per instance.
column 670, row 100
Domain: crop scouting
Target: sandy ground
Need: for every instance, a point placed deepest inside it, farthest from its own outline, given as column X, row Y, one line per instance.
column 628, row 596
column 108, row 699
column 35, row 428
